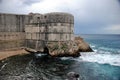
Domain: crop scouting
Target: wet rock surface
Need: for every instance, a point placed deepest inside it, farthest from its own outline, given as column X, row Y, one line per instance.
column 29, row 68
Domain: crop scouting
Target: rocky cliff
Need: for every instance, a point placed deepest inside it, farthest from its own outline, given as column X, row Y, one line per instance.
column 70, row 48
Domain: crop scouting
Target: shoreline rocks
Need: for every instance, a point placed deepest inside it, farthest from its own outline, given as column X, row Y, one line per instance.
column 72, row 76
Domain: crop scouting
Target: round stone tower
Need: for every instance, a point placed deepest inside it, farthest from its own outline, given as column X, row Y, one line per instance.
column 50, row 27
column 59, row 26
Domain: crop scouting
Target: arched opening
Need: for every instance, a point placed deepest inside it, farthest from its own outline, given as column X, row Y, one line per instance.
column 46, row 50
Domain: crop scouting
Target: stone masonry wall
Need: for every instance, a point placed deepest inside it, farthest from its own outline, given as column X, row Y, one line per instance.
column 9, row 40
column 50, row 27
column 12, row 30
column 12, row 22
column 19, row 30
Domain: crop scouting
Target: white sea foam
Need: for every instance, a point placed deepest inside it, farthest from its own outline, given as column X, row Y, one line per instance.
column 93, row 46
column 101, row 58
column 100, row 55
column 66, row 58
column 97, row 57
column 95, row 50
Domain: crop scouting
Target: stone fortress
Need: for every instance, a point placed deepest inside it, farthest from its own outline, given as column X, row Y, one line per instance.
column 51, row 33
column 50, row 27
column 35, row 30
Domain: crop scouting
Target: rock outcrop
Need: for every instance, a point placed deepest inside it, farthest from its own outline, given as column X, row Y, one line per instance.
column 72, row 76
column 70, row 48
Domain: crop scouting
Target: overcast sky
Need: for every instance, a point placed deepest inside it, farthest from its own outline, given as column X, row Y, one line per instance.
column 91, row 16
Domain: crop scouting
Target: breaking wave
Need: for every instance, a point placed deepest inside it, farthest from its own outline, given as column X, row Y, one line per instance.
column 101, row 58
column 102, row 55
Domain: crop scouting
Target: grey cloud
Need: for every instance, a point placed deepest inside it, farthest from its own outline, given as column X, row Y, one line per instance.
column 91, row 16
column 97, row 16
column 0, row 1
column 29, row 2
column 24, row 2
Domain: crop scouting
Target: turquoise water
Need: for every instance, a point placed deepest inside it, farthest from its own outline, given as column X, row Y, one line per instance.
column 105, row 60
column 106, row 47
column 102, row 64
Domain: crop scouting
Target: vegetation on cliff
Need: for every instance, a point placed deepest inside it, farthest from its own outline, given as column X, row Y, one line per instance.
column 70, row 48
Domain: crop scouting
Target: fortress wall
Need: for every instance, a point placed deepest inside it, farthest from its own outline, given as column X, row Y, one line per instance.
column 59, row 37
column 60, row 26
column 12, row 22
column 59, row 17
column 14, row 44
column 65, row 29
column 6, row 36
column 50, row 27
column 35, row 36
column 20, row 30
column 35, row 44
column 32, row 29
column 60, row 33
column 12, row 30
column 9, row 40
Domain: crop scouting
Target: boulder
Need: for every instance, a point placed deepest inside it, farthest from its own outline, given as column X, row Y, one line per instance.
column 72, row 76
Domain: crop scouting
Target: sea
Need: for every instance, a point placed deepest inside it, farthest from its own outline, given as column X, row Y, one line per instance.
column 102, row 64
